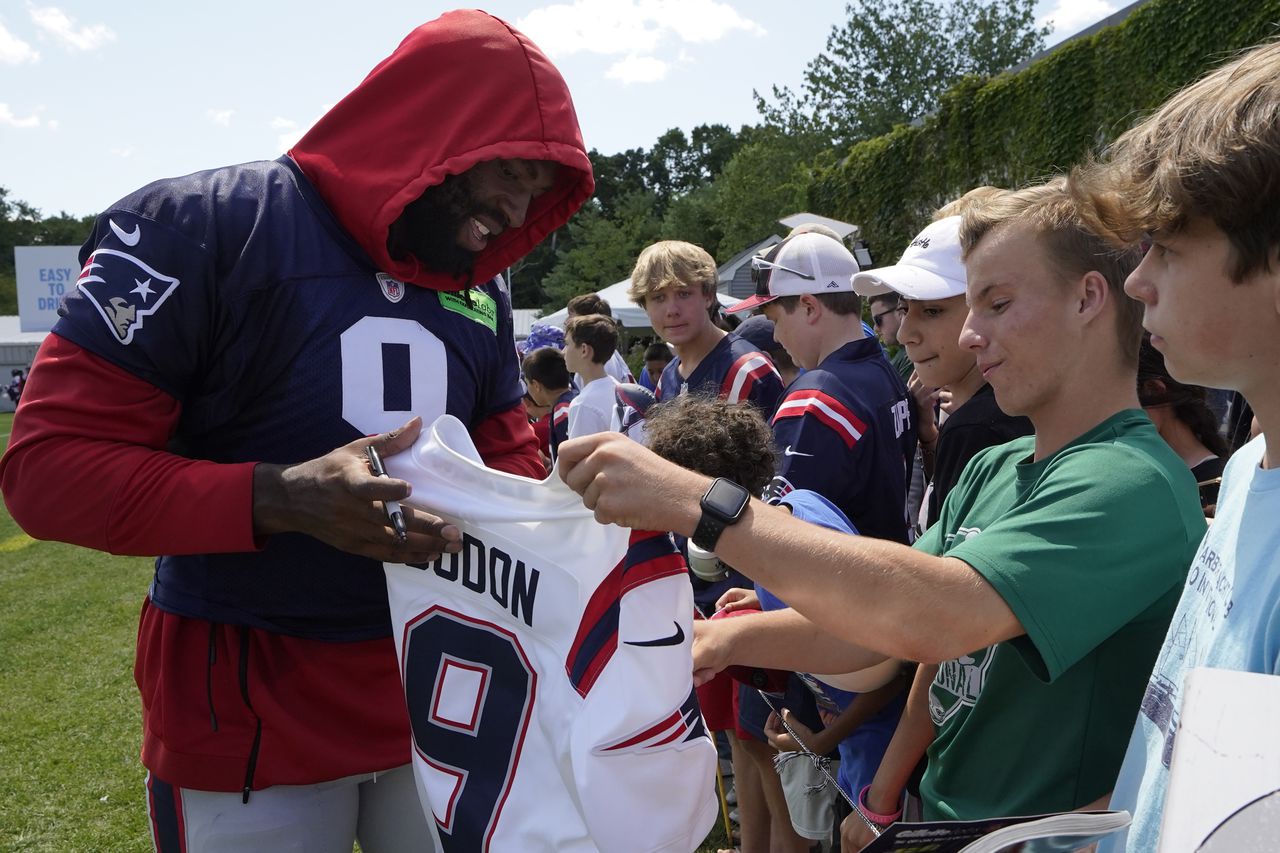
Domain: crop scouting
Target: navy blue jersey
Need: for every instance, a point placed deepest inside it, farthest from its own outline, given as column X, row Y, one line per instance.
column 236, row 292
column 844, row 430
column 734, row 370
column 560, row 421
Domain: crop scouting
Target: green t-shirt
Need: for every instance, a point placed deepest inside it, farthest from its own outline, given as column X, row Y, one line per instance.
column 1090, row 548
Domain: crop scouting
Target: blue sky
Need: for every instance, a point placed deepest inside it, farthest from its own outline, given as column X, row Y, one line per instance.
column 98, row 99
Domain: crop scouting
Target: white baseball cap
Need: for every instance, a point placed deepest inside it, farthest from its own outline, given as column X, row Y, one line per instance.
column 806, row 263
column 930, row 268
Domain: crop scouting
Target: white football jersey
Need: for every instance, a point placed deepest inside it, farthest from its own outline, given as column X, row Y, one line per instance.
column 547, row 668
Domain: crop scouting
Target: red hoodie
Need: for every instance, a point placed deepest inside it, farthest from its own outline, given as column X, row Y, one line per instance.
column 460, row 90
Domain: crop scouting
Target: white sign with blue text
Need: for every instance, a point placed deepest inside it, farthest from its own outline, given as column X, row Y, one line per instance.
column 46, row 274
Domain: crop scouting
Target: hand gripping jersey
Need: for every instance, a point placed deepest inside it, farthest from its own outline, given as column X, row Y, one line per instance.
column 547, row 668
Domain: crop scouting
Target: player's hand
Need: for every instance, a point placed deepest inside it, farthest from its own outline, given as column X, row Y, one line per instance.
column 627, row 484
column 738, row 599
column 337, row 499
column 710, row 648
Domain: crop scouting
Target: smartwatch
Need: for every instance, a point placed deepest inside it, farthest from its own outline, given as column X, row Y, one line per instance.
column 722, row 505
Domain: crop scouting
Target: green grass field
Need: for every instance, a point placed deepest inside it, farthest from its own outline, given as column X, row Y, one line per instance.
column 70, row 779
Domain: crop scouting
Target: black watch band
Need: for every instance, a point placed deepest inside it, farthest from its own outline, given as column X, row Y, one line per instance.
column 722, row 505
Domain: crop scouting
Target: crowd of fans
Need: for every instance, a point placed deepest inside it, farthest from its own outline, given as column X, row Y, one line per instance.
column 1067, row 475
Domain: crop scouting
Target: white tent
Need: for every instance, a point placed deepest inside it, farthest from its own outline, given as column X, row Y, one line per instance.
column 626, row 312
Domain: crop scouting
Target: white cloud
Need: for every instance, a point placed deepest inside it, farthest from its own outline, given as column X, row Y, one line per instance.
column 291, row 131
column 222, row 118
column 124, row 153
column 62, row 27
column 15, row 51
column 638, row 69
column 630, row 27
column 1069, row 17
column 8, row 118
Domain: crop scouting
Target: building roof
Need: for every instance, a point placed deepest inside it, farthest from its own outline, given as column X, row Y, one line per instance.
column 11, row 332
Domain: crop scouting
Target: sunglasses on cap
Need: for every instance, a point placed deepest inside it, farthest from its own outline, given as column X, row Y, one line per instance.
column 761, row 270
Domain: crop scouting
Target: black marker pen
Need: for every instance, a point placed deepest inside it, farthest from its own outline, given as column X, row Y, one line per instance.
column 395, row 514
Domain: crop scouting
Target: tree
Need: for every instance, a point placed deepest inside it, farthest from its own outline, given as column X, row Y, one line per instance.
column 893, row 59
column 604, row 249
column 22, row 225
column 767, row 179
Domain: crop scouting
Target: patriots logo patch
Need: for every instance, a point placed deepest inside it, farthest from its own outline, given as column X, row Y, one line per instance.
column 392, row 288
column 124, row 289
column 681, row 726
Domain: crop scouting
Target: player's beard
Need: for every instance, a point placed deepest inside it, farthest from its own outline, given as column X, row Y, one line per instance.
column 429, row 227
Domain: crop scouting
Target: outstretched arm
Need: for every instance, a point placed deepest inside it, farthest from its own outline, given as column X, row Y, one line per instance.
column 879, row 595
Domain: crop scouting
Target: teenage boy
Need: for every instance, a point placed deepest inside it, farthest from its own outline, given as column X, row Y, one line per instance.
column 1045, row 587
column 675, row 283
column 656, row 358
column 887, row 311
column 583, row 305
column 550, row 383
column 590, row 341
column 1200, row 180
column 929, row 283
column 845, row 424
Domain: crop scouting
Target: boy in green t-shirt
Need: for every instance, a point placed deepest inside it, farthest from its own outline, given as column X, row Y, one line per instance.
column 1045, row 587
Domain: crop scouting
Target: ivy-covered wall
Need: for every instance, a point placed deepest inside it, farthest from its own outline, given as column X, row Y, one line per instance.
column 1016, row 128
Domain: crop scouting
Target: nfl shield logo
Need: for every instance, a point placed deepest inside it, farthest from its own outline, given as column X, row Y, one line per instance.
column 391, row 288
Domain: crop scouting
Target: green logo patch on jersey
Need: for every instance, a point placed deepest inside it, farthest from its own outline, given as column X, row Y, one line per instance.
column 474, row 305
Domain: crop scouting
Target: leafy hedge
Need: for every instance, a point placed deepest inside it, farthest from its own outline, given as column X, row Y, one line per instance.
column 1018, row 127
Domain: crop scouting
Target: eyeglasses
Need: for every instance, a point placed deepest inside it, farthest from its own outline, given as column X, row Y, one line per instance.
column 877, row 319
column 762, row 270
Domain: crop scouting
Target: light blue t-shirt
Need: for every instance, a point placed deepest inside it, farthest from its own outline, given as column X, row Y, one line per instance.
column 1228, row 618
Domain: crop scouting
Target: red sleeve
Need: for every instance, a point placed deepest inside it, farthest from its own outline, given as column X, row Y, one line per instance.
column 87, row 464
column 506, row 443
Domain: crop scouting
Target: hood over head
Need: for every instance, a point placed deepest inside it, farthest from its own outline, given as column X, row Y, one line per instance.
column 460, row 90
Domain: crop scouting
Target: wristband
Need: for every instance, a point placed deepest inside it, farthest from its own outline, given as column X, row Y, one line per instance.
column 881, row 819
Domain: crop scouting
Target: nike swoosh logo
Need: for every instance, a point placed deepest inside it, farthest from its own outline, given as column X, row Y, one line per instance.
column 790, row 452
column 674, row 640
column 129, row 238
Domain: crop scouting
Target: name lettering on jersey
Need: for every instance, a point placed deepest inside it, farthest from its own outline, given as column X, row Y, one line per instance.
column 487, row 570
column 901, row 417
column 474, row 305
column 392, row 288
column 124, row 289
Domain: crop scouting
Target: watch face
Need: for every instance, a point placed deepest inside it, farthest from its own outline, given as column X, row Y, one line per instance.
column 726, row 498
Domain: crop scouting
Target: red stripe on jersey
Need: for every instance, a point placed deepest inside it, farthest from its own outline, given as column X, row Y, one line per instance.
column 744, row 374
column 597, row 634
column 651, row 732
column 561, row 412
column 825, row 408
